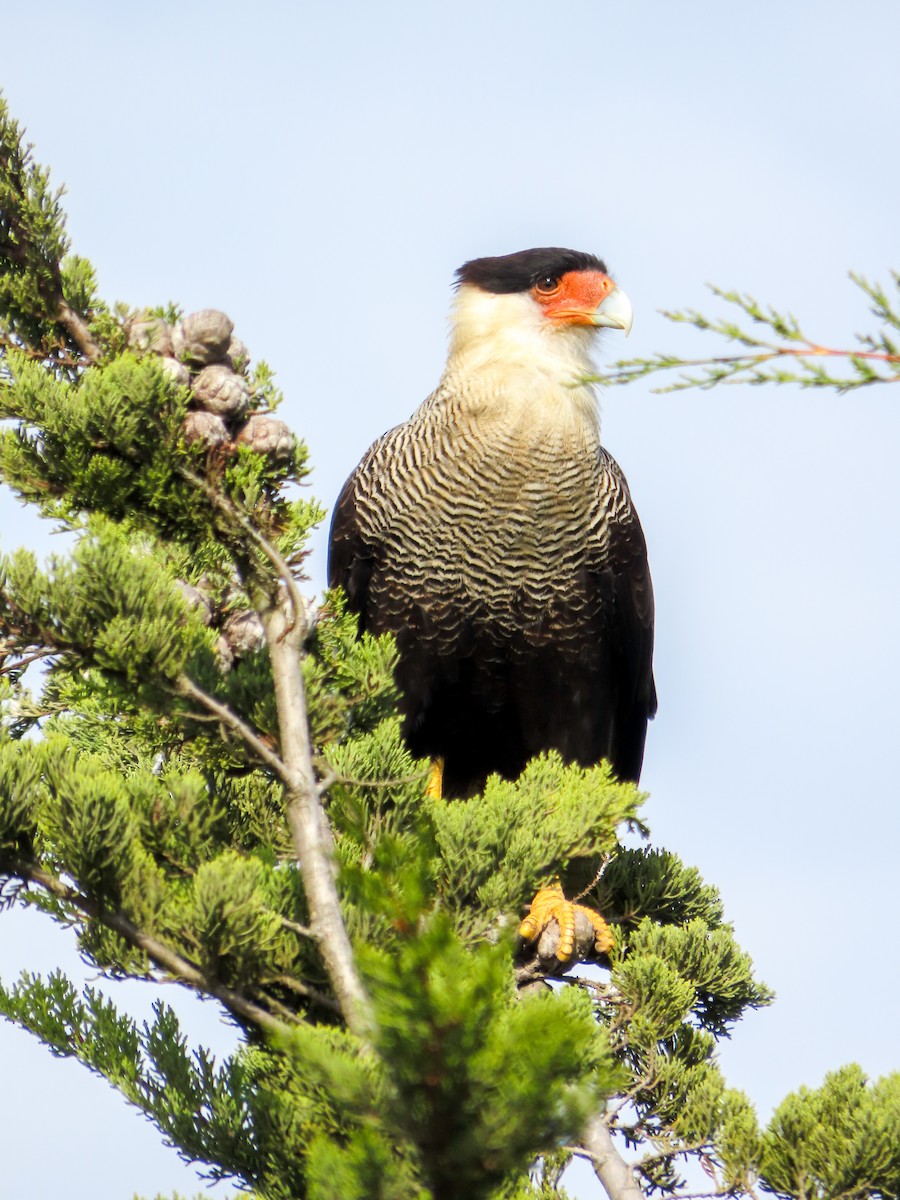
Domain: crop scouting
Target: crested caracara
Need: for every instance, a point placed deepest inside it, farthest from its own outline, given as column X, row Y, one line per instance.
column 495, row 537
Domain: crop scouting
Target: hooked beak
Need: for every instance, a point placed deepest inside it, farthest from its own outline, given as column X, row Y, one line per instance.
column 615, row 312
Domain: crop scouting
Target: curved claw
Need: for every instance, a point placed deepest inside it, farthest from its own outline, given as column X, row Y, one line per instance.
column 550, row 904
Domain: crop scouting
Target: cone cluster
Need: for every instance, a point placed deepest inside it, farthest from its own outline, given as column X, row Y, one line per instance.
column 240, row 630
column 200, row 352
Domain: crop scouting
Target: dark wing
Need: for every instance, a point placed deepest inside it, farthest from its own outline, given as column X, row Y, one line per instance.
column 350, row 558
column 364, row 511
column 624, row 577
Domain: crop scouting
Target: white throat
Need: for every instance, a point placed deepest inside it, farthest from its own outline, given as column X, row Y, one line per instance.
column 508, row 363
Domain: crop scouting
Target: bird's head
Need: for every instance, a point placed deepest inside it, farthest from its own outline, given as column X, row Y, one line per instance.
column 548, row 298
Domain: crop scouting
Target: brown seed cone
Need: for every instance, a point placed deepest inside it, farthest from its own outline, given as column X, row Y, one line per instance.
column 219, row 390
column 244, row 632
column 198, row 599
column 207, row 335
column 176, row 371
column 205, row 427
column 224, row 655
column 152, row 335
column 238, row 356
column 267, row 435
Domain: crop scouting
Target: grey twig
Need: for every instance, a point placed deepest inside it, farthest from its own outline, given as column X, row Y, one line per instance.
column 225, row 505
column 307, row 822
column 230, row 719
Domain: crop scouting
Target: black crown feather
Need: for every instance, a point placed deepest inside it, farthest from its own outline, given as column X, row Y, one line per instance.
column 518, row 272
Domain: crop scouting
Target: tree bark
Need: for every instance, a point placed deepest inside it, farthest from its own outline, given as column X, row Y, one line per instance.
column 306, row 819
column 77, row 329
column 614, row 1173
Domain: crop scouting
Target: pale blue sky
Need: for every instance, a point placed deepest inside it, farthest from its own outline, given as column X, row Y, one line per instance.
column 319, row 171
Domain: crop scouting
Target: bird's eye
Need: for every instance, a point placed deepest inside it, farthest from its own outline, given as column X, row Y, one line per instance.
column 547, row 284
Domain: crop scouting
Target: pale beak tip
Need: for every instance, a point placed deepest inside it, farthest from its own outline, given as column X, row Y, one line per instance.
column 615, row 312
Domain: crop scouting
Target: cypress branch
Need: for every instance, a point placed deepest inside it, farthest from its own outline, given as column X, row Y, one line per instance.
column 796, row 358
column 157, row 952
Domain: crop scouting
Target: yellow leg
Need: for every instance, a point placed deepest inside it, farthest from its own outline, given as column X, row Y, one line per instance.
column 434, row 789
column 550, row 904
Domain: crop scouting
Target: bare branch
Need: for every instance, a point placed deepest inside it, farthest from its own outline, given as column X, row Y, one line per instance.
column 615, row 1174
column 77, row 329
column 308, row 993
column 19, row 664
column 230, row 719
column 711, row 1195
column 271, row 552
column 307, row 822
column 310, row 831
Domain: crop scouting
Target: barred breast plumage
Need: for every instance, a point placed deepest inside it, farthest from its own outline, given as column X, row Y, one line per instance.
column 495, row 538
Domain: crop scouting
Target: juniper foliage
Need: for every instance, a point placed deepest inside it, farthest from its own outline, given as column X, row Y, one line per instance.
column 774, row 348
column 148, row 799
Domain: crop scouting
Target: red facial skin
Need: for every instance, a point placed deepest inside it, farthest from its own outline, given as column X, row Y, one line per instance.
column 574, row 298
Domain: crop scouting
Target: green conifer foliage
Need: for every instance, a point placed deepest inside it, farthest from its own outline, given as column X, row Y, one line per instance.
column 840, row 1140
column 204, row 776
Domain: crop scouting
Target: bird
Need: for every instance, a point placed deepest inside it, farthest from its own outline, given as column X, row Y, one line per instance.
column 495, row 537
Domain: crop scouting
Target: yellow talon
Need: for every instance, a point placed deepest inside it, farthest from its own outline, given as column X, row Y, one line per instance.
column 550, row 904
column 434, row 788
